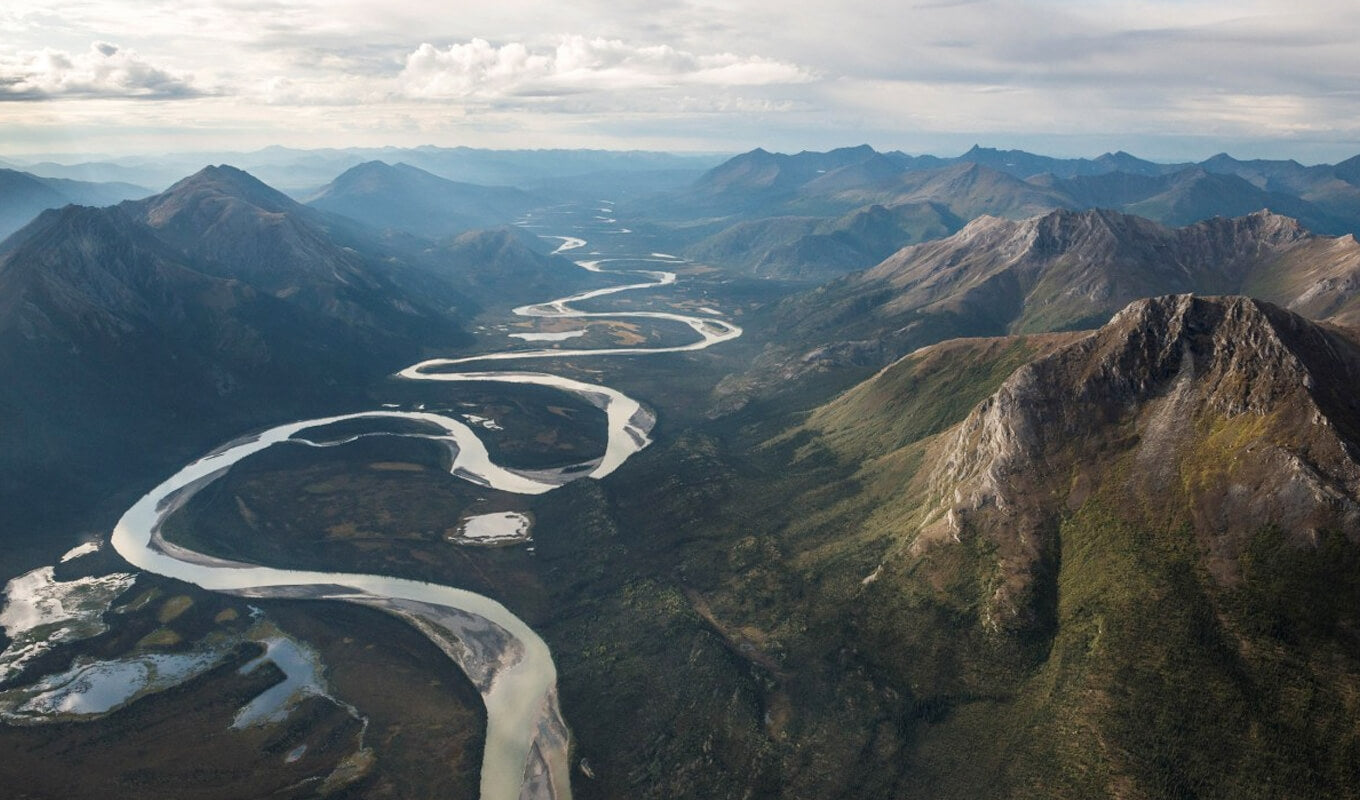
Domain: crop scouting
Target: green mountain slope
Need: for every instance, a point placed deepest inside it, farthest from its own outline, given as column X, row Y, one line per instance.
column 1144, row 549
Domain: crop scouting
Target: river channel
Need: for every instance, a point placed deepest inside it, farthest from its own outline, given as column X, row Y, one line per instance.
column 527, row 741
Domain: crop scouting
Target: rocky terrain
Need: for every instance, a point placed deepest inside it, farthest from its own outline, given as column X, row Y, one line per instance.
column 1067, row 565
column 1067, row 270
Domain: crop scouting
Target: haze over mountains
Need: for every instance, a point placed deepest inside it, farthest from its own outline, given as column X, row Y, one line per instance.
column 406, row 198
column 761, row 195
column 23, row 196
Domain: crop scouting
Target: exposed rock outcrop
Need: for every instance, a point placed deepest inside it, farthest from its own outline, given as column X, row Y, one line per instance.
column 1235, row 412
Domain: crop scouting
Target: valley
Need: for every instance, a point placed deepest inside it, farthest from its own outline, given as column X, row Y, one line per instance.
column 1026, row 507
column 526, row 739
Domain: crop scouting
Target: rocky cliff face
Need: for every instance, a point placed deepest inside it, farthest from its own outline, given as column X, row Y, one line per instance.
column 1229, row 412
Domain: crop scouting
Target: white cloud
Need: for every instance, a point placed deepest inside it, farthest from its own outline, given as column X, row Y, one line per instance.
column 794, row 74
column 104, row 70
column 479, row 69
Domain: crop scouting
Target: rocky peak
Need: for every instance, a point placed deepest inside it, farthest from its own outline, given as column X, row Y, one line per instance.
column 1230, row 396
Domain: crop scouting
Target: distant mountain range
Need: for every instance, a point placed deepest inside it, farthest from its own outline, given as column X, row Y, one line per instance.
column 23, row 196
column 1069, row 270
column 769, row 188
column 303, row 171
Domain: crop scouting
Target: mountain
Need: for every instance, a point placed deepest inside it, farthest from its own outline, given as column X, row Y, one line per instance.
column 1349, row 170
column 1068, row 270
column 110, row 339
column 756, row 183
column 1122, row 563
column 409, row 199
column 301, row 172
column 968, row 190
column 185, row 318
column 23, row 196
column 761, row 171
column 231, row 225
column 1023, row 165
column 1196, row 194
column 1006, row 183
column 1116, row 574
column 817, row 249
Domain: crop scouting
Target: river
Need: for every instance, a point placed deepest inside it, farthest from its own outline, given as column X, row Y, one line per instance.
column 527, row 740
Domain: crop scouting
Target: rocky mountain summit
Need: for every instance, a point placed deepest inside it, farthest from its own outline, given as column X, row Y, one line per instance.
column 1104, row 564
column 1230, row 413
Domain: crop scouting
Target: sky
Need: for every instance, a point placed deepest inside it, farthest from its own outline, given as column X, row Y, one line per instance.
column 1163, row 80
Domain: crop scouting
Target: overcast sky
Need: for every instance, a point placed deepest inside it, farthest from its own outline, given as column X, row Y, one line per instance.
column 1165, row 80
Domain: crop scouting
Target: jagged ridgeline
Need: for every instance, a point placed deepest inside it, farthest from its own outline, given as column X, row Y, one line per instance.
column 1131, row 570
column 1067, row 270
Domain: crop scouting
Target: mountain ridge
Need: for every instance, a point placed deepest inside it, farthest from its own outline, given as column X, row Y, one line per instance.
column 411, row 199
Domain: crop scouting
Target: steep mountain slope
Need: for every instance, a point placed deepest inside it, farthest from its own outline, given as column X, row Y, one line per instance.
column 23, row 196
column 185, row 318
column 1112, row 564
column 409, row 199
column 1229, row 414
column 1132, row 569
column 230, row 225
column 1069, row 270
column 110, row 339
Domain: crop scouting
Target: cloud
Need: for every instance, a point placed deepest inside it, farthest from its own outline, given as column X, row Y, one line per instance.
column 105, row 70
column 479, row 69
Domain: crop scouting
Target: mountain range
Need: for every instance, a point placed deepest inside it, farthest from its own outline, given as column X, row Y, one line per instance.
column 23, row 196
column 1111, row 563
column 213, row 306
column 303, row 171
column 1069, row 270
column 759, row 194
column 1048, row 487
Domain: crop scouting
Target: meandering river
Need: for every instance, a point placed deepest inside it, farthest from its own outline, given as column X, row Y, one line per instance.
column 526, row 752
